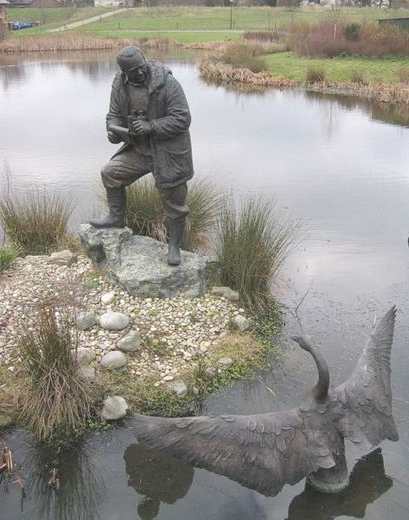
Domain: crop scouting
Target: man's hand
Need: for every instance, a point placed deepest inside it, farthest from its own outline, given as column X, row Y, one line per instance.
column 140, row 127
column 113, row 137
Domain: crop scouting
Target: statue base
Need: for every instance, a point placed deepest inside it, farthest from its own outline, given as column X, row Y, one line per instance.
column 139, row 264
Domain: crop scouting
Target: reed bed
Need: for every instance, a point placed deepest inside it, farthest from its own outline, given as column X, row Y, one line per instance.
column 77, row 42
column 220, row 73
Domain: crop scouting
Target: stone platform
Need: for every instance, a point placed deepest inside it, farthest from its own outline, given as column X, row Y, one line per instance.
column 138, row 264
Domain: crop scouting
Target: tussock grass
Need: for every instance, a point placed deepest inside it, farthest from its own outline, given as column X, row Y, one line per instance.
column 145, row 212
column 252, row 243
column 205, row 203
column 36, row 223
column 315, row 75
column 57, row 401
column 7, row 257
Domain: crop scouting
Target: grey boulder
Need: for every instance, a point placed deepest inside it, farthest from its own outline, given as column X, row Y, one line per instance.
column 114, row 321
column 115, row 407
column 178, row 387
column 129, row 343
column 113, row 360
column 226, row 292
column 65, row 257
column 139, row 264
column 86, row 320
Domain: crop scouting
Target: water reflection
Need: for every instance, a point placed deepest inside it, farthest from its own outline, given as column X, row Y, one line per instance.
column 396, row 114
column 158, row 477
column 79, row 490
column 368, row 482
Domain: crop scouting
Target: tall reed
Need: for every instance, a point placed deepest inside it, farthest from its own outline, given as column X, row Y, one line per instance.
column 36, row 223
column 252, row 242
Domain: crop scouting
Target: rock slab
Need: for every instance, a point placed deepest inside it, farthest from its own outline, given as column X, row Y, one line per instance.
column 138, row 264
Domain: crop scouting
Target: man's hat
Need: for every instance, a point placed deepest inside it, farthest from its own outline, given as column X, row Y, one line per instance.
column 130, row 57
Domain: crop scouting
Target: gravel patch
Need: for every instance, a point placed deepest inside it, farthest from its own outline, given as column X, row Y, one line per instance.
column 168, row 335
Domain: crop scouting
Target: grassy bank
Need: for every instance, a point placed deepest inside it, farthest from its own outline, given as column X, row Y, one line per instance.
column 222, row 18
column 51, row 17
column 342, row 69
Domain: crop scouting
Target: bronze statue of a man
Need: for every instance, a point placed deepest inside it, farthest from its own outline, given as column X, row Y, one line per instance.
column 149, row 113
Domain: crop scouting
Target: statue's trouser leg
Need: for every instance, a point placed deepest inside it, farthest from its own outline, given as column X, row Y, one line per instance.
column 334, row 479
column 123, row 169
column 176, row 211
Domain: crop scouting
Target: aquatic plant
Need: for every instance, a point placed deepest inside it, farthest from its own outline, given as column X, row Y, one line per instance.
column 36, row 223
column 252, row 242
column 145, row 211
column 56, row 402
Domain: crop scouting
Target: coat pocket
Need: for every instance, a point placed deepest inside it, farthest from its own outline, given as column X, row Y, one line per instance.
column 179, row 164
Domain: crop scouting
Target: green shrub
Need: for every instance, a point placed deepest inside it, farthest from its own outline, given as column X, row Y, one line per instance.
column 37, row 223
column 315, row 75
column 251, row 246
column 145, row 212
column 244, row 56
column 57, row 401
column 7, row 256
column 352, row 32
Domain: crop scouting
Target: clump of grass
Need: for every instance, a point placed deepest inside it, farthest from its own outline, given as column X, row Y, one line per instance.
column 315, row 75
column 243, row 56
column 145, row 210
column 358, row 78
column 57, row 401
column 7, row 257
column 252, row 243
column 37, row 223
column 145, row 214
column 205, row 202
column 403, row 74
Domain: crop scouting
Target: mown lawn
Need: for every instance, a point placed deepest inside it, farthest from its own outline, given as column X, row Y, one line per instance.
column 219, row 18
column 291, row 66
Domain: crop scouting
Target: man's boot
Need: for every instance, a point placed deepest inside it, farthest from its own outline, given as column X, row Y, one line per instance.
column 176, row 230
column 116, row 198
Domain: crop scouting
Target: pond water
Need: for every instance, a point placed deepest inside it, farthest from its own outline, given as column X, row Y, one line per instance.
column 339, row 165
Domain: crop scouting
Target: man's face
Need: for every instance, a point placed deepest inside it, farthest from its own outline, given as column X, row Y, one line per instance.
column 137, row 74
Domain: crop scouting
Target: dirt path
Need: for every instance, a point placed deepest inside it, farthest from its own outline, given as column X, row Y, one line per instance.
column 74, row 25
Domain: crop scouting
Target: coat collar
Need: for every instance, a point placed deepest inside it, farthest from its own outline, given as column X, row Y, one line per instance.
column 158, row 74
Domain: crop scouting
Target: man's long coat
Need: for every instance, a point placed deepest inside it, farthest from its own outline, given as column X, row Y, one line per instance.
column 169, row 115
